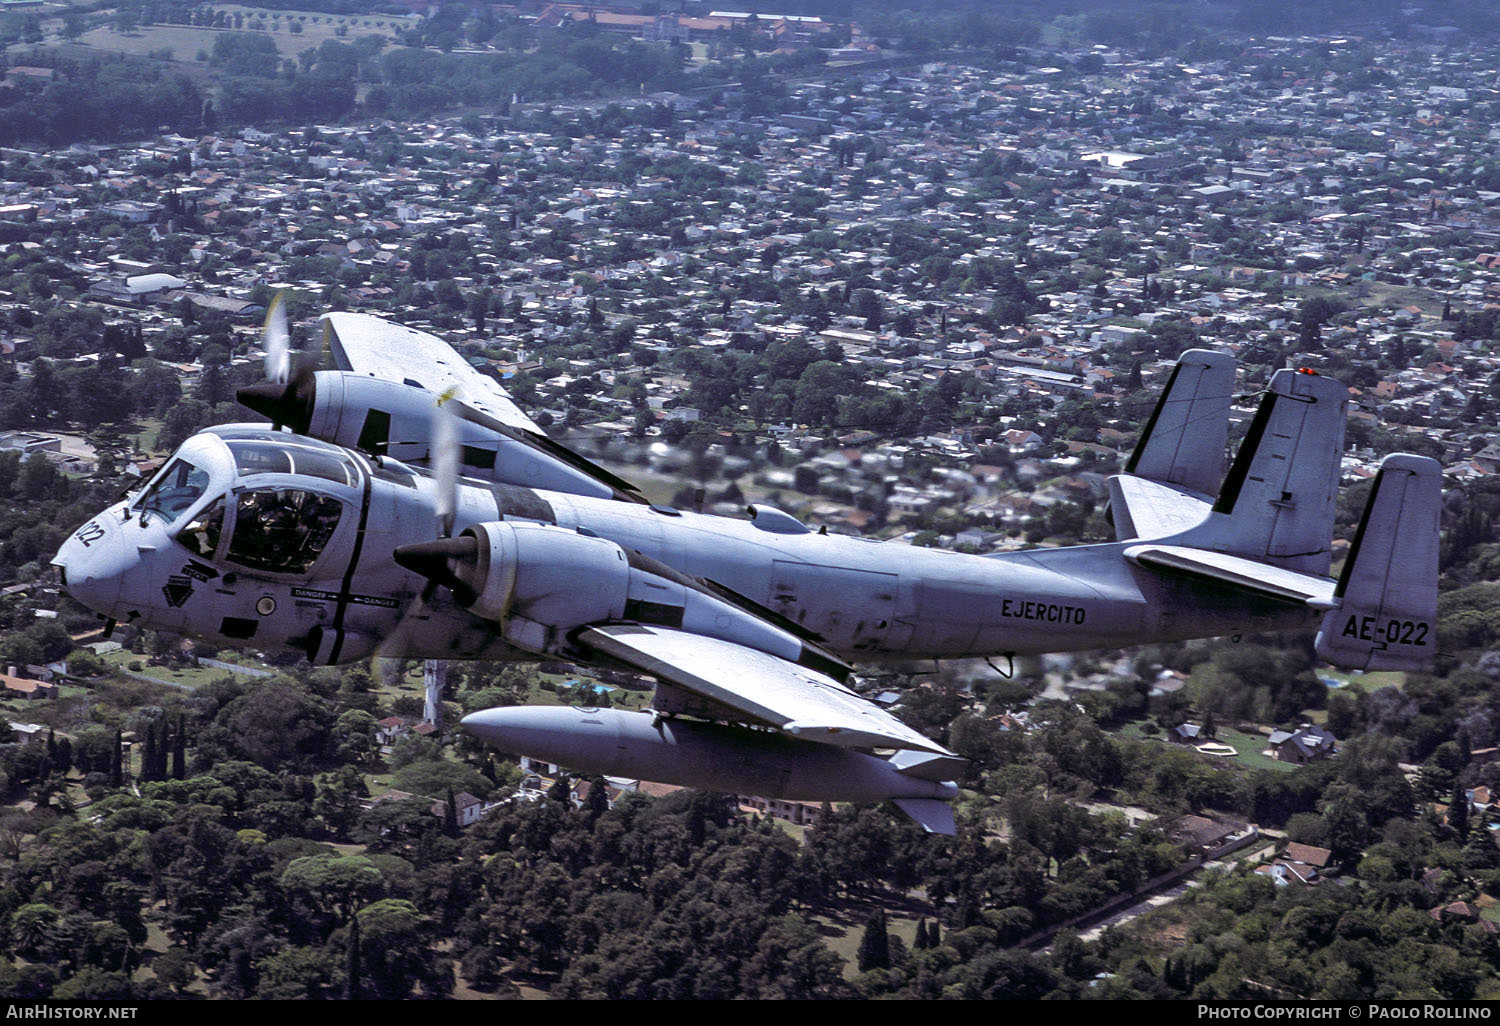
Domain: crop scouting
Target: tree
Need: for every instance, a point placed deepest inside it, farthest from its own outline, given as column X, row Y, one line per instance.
column 332, row 885
column 38, row 931
column 791, row 962
column 354, row 735
column 450, row 815
column 395, row 952
column 479, row 308
column 110, row 448
column 273, row 725
column 174, row 967
column 1458, row 812
column 867, row 305
column 179, row 749
column 875, row 943
column 352, row 966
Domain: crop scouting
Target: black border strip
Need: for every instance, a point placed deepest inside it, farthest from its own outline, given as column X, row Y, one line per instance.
column 359, row 545
column 1359, row 536
column 1235, row 480
column 1140, row 446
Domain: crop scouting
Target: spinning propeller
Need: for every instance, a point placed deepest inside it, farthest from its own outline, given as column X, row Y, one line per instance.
column 444, row 550
column 286, row 398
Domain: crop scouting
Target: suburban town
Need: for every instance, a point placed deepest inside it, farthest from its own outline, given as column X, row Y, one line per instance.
column 911, row 291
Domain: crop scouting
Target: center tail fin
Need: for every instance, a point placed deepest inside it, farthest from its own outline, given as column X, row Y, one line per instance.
column 1387, row 593
column 1278, row 501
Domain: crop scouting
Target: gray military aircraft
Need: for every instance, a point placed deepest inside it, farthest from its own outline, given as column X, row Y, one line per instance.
column 403, row 504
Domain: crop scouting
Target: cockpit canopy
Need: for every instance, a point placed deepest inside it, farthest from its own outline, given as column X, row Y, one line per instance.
column 260, row 456
column 261, row 500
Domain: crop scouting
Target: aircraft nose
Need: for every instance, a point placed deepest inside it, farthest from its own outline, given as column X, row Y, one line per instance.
column 92, row 565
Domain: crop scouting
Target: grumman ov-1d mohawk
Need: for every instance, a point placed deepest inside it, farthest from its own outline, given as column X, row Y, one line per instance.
column 413, row 510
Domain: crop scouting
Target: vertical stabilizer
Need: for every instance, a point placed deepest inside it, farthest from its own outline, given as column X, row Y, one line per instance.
column 1183, row 442
column 1387, row 594
column 1278, row 500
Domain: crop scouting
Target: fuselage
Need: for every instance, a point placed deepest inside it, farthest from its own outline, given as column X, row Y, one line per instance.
column 261, row 539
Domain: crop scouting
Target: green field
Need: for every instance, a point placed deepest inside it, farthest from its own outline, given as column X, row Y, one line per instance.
column 1367, row 681
column 145, row 437
column 1249, row 747
column 185, row 41
column 1404, row 295
column 186, row 677
column 843, row 933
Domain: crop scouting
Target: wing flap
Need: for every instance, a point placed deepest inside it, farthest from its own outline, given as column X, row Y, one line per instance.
column 765, row 688
column 931, row 815
column 1244, row 574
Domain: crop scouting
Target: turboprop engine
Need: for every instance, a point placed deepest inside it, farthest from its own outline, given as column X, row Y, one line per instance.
column 396, row 419
column 540, row 582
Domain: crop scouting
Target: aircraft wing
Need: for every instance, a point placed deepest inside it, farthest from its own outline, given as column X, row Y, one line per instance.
column 393, row 352
column 764, row 688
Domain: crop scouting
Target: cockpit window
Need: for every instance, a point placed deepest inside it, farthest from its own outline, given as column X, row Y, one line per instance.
column 324, row 465
column 260, row 458
column 201, row 535
column 179, row 486
column 272, row 456
column 281, row 530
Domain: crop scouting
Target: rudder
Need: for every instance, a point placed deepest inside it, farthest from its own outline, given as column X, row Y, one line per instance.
column 1387, row 593
column 1278, row 501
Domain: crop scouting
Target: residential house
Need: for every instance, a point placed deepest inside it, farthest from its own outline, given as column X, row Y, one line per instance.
column 1307, row 743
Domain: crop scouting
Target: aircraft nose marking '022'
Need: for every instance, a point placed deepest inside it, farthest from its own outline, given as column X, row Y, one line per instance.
column 89, row 533
column 462, row 531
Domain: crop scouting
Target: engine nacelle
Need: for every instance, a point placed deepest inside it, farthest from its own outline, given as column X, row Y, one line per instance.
column 371, row 414
column 389, row 418
column 541, row 582
column 549, row 575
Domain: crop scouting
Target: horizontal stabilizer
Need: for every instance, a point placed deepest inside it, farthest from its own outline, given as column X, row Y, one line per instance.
column 1387, row 594
column 931, row 815
column 923, row 766
column 1151, row 509
column 1260, row 579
